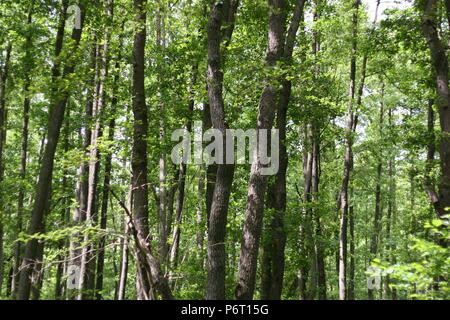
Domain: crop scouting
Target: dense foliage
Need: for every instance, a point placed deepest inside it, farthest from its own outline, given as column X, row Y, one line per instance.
column 364, row 125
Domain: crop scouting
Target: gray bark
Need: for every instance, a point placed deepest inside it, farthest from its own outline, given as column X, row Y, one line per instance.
column 43, row 193
column 215, row 285
column 257, row 182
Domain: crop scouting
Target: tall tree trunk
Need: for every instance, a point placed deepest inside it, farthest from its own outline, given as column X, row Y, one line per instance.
column 162, row 210
column 440, row 200
column 139, row 152
column 348, row 161
column 351, row 280
column 182, row 180
column 211, row 169
column 374, row 243
column 65, row 214
column 318, row 250
column 88, row 267
column 220, row 14
column 3, row 130
column 305, row 228
column 392, row 292
column 149, row 267
column 257, row 182
column 80, row 216
column 273, row 270
column 43, row 193
column 121, row 288
column 108, row 169
column 81, row 188
column 28, row 65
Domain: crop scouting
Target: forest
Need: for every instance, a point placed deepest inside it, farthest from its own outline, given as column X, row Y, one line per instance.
column 224, row 150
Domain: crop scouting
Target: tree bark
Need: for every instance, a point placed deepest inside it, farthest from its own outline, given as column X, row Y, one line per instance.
column 65, row 214
column 150, row 267
column 139, row 152
column 182, row 180
column 28, row 65
column 348, row 161
column 108, row 169
column 123, row 275
column 43, row 193
column 374, row 243
column 162, row 210
column 440, row 200
column 3, row 130
column 220, row 14
column 273, row 270
column 257, row 182
column 351, row 280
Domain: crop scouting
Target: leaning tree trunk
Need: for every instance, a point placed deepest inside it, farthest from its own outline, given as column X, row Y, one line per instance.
column 125, row 251
column 43, row 191
column 257, row 182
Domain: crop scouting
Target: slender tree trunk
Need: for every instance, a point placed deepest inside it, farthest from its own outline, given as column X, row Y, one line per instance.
column 308, row 268
column 103, row 216
column 80, row 216
column 162, row 210
column 88, row 269
column 178, row 211
column 257, row 182
column 150, row 267
column 65, row 215
column 306, row 229
column 374, row 243
column 318, row 246
column 121, row 288
column 3, row 130
column 123, row 268
column 348, row 162
column 211, row 169
column 392, row 293
column 106, row 182
column 28, row 65
column 199, row 219
column 171, row 199
column 82, row 185
column 43, row 193
column 351, row 280
column 182, row 182
column 315, row 179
